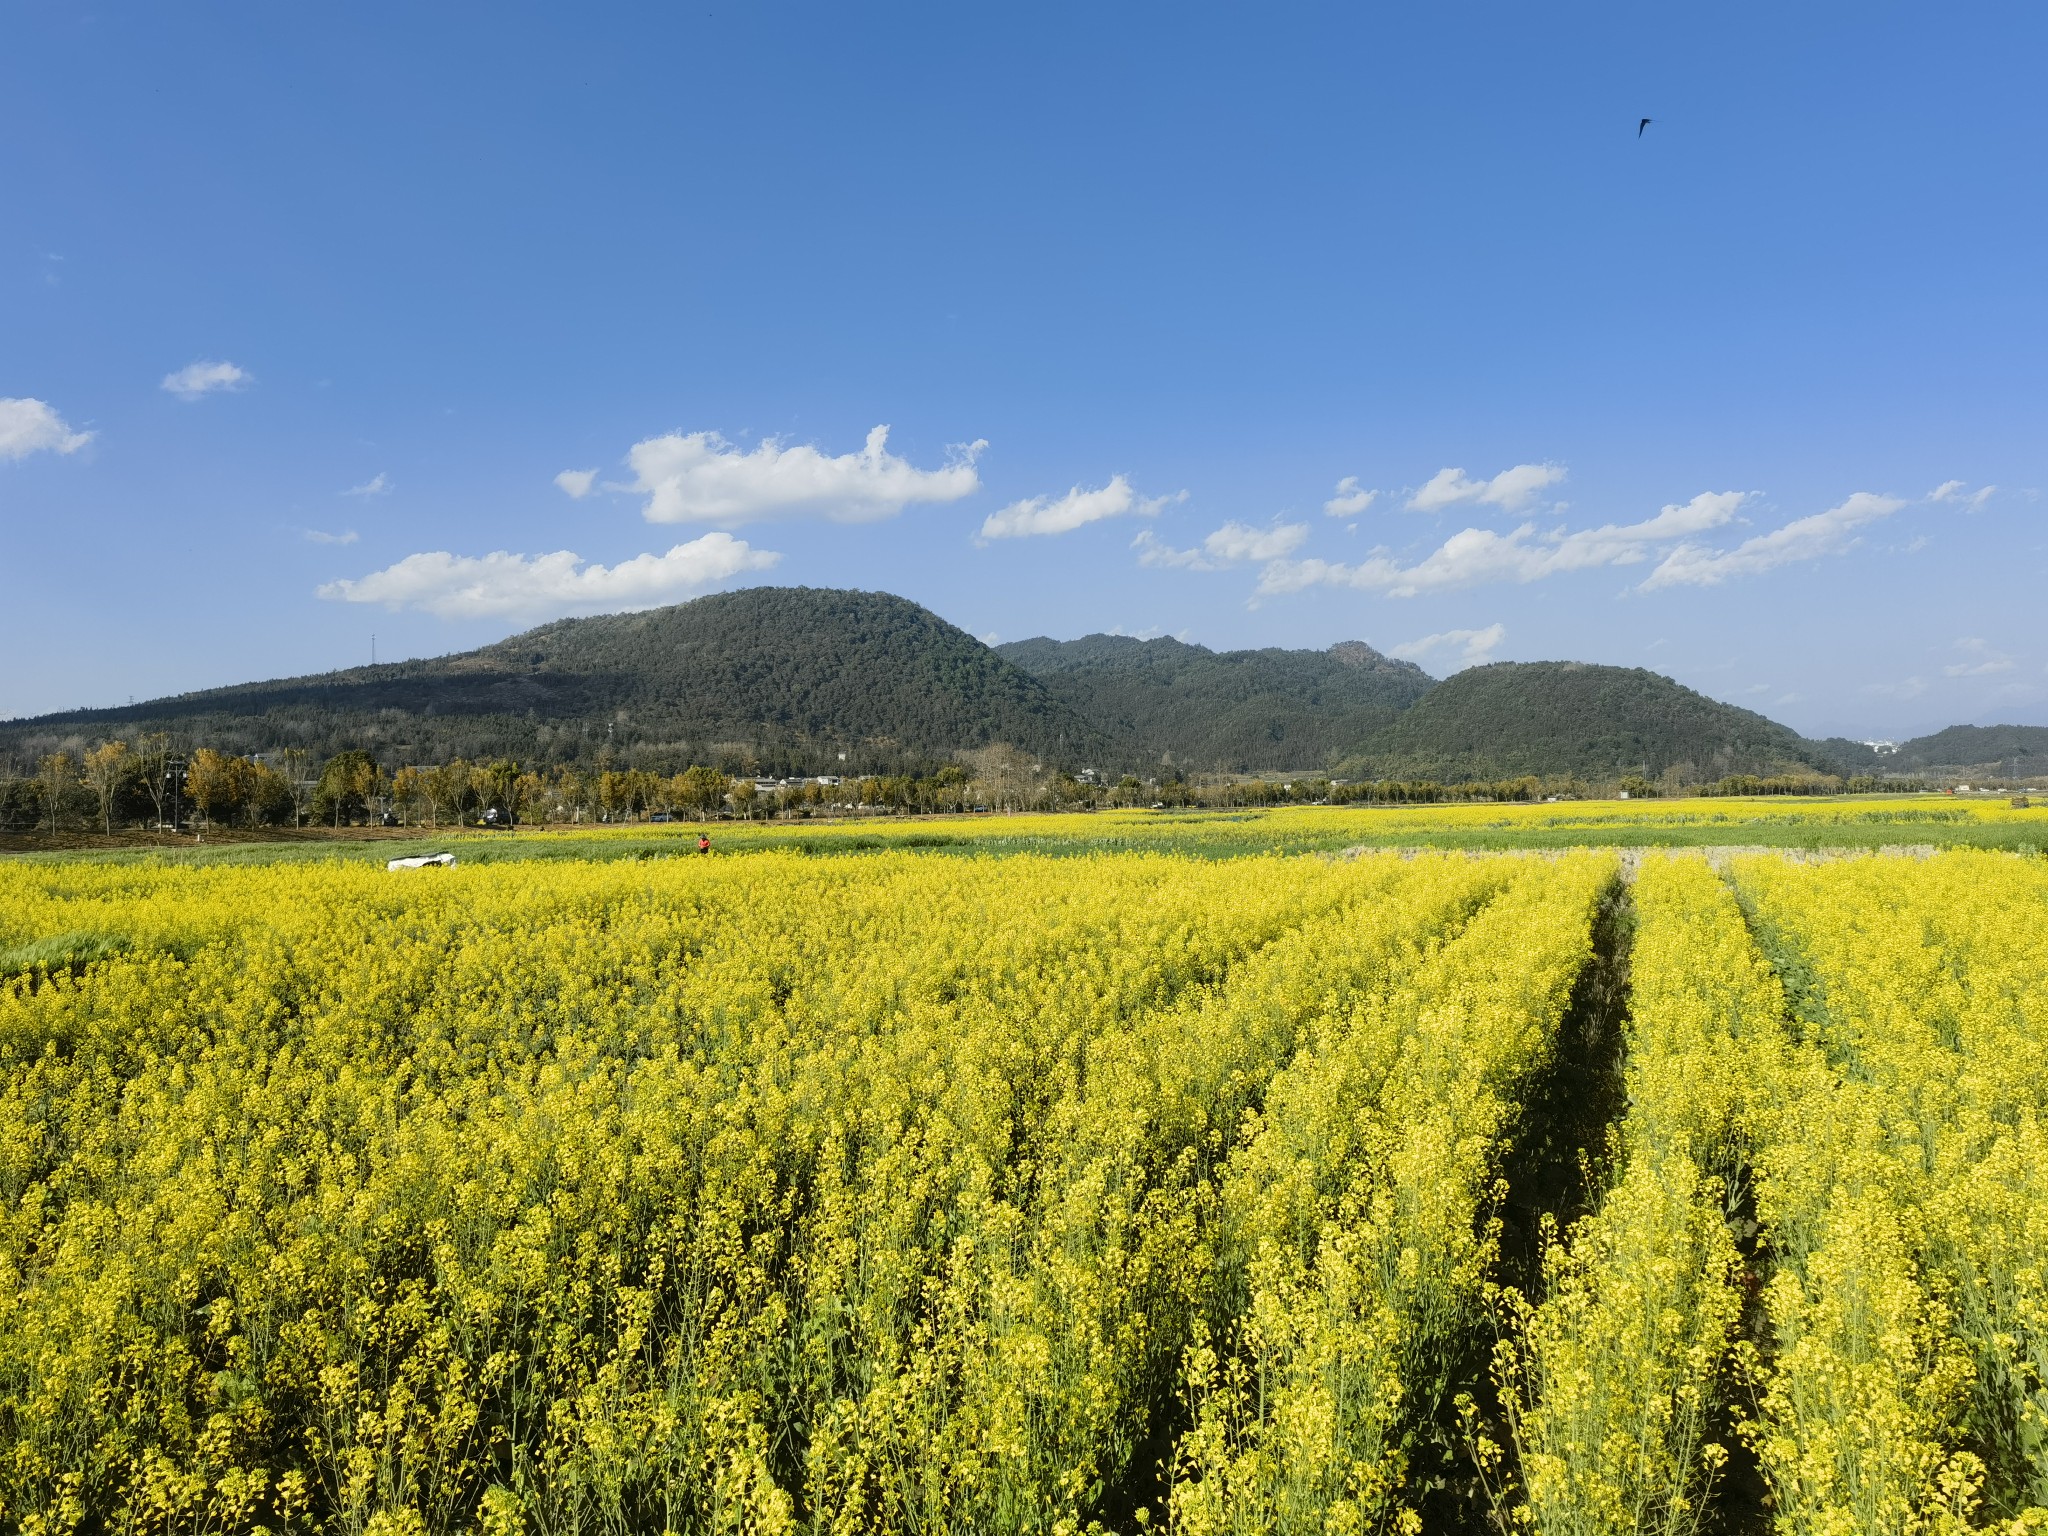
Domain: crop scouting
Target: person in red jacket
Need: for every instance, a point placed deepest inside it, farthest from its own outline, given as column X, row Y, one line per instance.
column 703, row 842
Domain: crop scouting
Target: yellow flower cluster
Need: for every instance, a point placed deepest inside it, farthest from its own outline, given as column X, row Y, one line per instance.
column 1353, row 1248
column 1613, row 1383
column 1906, row 1313
column 898, row 1193
column 858, row 1195
column 1824, row 1244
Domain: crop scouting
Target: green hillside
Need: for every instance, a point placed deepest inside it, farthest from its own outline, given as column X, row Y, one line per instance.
column 791, row 676
column 1568, row 717
column 1168, row 702
column 787, row 679
column 1996, row 750
column 2019, row 749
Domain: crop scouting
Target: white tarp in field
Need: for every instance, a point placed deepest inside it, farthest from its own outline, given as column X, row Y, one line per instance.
column 422, row 861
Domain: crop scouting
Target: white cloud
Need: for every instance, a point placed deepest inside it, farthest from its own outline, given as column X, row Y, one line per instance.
column 1474, row 556
column 317, row 536
column 1984, row 661
column 502, row 584
column 1349, row 500
column 1232, row 544
column 1806, row 538
column 577, row 482
column 1510, row 490
column 1039, row 515
column 1958, row 493
column 1473, row 647
column 377, row 485
column 699, row 477
column 29, row 426
column 206, row 378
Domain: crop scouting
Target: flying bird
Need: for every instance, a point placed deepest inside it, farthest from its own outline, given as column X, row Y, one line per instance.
column 1641, row 126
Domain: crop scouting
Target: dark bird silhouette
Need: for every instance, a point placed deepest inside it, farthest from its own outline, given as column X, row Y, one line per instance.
column 1641, row 126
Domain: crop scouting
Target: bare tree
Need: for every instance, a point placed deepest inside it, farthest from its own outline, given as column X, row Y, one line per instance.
column 295, row 761
column 153, row 757
column 105, row 766
column 1004, row 777
column 54, row 775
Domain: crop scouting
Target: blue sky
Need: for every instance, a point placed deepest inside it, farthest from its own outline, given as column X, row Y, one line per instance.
column 437, row 322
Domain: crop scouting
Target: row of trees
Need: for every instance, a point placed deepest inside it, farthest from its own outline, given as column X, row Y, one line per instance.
column 1807, row 784
column 1636, row 787
column 150, row 784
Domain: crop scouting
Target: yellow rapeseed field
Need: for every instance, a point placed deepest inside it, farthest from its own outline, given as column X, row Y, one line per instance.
column 913, row 1192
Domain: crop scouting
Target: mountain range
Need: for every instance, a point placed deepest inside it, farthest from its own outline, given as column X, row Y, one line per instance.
column 796, row 679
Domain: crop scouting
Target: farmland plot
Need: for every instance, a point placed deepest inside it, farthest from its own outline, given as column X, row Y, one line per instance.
column 909, row 1193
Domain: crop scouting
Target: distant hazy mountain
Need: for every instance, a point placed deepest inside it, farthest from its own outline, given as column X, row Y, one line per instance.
column 1169, row 702
column 792, row 677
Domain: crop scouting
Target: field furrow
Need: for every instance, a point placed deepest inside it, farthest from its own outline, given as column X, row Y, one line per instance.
column 903, row 1193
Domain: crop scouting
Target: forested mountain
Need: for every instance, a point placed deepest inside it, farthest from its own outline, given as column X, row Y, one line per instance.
column 1174, row 703
column 786, row 679
column 1568, row 717
column 2021, row 750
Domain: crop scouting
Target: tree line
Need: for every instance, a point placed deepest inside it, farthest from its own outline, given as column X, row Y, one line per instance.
column 150, row 783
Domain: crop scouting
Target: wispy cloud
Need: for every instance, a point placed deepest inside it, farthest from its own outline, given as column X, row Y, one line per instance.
column 1350, row 500
column 1958, row 493
column 1981, row 660
column 576, row 482
column 319, row 536
column 1038, row 516
column 1510, row 490
column 502, row 584
column 377, row 485
column 1475, row 556
column 1805, row 538
column 30, row 426
column 194, row 381
column 1232, row 544
column 699, row 477
column 1469, row 647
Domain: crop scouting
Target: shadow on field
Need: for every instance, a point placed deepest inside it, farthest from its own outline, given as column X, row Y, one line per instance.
column 1557, row 1166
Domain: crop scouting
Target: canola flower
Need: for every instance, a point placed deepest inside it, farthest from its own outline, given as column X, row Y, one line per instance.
column 1853, row 1046
column 1907, row 1382
column 1615, row 1383
column 895, row 1193
column 1353, row 1246
column 760, row 1194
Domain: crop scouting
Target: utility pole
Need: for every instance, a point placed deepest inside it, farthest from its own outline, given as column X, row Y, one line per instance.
column 174, row 789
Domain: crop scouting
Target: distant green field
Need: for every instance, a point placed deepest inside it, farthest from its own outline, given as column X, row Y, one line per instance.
column 1937, row 821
